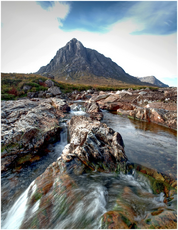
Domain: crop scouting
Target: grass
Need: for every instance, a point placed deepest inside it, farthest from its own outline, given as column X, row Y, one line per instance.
column 12, row 85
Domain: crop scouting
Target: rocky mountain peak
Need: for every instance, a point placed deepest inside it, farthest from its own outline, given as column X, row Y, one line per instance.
column 79, row 64
column 74, row 45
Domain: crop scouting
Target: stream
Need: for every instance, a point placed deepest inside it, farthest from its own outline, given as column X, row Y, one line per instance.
column 145, row 143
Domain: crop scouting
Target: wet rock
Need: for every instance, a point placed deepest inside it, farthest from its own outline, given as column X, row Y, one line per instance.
column 93, row 147
column 28, row 125
column 92, row 108
column 97, row 146
column 158, row 116
column 60, row 104
column 126, row 214
column 158, row 106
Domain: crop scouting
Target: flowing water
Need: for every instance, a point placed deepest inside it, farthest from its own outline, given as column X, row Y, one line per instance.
column 96, row 194
column 147, row 144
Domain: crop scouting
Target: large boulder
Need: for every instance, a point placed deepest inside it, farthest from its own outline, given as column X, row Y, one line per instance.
column 54, row 90
column 49, row 83
column 26, row 126
column 94, row 144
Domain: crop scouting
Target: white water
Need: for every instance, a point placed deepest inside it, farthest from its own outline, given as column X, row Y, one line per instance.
column 77, row 109
column 63, row 141
column 16, row 214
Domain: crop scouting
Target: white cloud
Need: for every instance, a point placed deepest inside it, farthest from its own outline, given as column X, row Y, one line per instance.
column 28, row 32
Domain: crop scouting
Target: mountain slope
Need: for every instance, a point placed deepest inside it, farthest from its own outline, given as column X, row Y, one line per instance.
column 75, row 63
column 153, row 80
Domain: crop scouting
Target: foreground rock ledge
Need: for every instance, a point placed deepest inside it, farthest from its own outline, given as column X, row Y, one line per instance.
column 26, row 125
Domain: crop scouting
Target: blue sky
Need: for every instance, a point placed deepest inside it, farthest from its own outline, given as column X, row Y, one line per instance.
column 140, row 36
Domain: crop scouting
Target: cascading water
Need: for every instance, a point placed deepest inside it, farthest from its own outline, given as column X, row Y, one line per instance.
column 77, row 109
column 59, row 146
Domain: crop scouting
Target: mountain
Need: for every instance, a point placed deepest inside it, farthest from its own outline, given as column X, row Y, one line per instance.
column 153, row 80
column 77, row 64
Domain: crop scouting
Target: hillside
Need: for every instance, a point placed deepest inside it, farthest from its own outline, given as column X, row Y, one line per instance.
column 14, row 86
column 76, row 64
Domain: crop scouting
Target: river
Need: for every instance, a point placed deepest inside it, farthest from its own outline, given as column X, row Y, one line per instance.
column 145, row 143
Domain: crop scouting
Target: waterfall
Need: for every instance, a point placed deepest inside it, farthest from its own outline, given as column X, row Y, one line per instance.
column 63, row 141
column 16, row 214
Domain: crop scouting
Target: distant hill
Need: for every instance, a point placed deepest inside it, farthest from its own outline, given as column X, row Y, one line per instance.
column 153, row 80
column 76, row 64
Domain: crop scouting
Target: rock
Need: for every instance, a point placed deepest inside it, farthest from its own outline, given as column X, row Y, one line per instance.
column 123, row 92
column 30, row 94
column 100, row 97
column 42, row 94
column 159, row 116
column 93, row 147
column 92, row 108
column 49, row 95
column 90, row 91
column 49, row 83
column 54, row 90
column 60, row 104
column 28, row 126
column 26, row 87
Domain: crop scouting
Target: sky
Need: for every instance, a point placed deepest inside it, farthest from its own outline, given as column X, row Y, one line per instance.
column 140, row 36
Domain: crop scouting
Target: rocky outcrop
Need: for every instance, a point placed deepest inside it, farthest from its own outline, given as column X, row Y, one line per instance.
column 159, row 116
column 26, row 125
column 157, row 106
column 96, row 146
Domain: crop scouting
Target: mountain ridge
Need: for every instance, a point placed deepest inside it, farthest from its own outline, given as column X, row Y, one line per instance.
column 153, row 80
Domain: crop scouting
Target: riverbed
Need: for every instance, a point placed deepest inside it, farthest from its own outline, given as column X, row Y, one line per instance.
column 147, row 144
